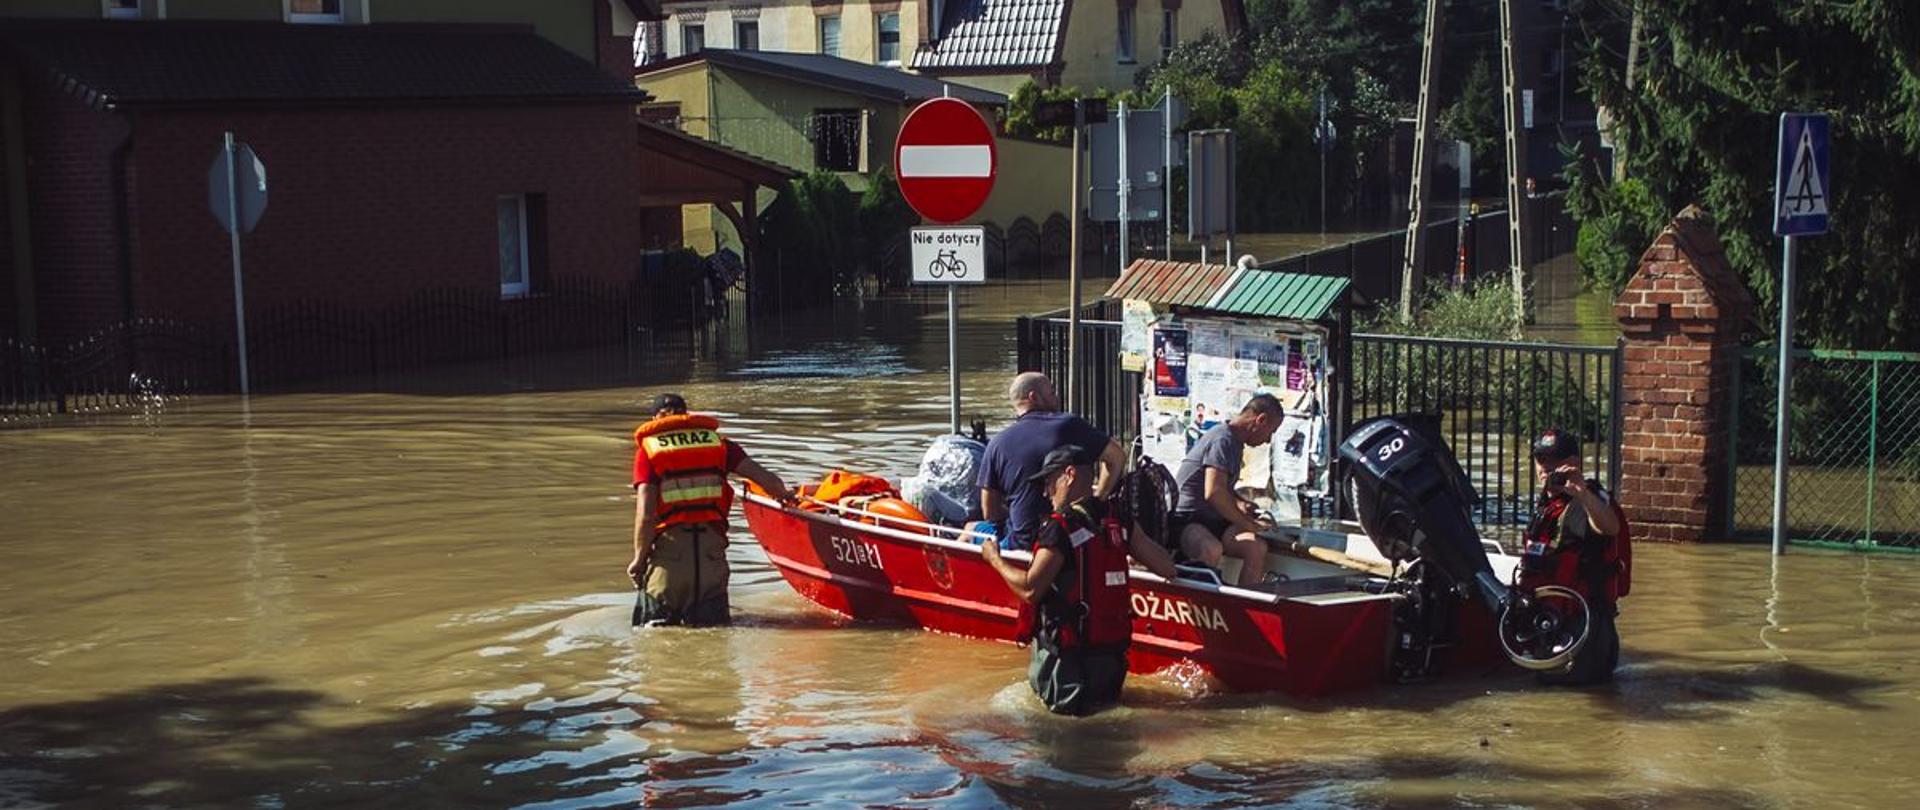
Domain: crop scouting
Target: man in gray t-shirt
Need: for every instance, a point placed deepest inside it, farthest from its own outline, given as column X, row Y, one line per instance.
column 1209, row 519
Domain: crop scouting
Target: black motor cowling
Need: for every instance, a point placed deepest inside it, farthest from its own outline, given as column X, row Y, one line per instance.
column 1413, row 499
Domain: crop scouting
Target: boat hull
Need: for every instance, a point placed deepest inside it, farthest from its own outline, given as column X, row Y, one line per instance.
column 1320, row 636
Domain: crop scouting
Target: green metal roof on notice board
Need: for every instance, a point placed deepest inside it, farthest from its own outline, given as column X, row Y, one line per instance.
column 1250, row 292
column 1277, row 294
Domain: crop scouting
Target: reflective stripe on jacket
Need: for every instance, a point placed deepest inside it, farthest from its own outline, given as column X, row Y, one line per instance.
column 690, row 457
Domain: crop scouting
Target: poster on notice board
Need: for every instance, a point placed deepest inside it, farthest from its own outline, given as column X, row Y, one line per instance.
column 1170, row 362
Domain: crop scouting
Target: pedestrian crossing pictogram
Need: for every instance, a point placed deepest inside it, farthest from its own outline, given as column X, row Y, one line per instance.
column 1804, row 194
column 1802, row 180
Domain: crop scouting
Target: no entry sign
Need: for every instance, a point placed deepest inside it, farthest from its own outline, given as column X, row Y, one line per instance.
column 945, row 159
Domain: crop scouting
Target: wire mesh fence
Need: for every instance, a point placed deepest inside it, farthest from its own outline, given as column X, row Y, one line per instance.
column 1853, row 465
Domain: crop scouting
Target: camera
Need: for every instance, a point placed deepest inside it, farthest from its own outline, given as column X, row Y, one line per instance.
column 1558, row 479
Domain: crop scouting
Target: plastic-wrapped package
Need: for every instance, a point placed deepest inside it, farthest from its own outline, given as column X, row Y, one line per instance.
column 945, row 488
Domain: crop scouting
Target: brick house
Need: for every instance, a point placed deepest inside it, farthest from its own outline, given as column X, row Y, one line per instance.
column 400, row 157
column 403, row 156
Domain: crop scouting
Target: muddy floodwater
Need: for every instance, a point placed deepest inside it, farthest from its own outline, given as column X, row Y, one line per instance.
column 391, row 600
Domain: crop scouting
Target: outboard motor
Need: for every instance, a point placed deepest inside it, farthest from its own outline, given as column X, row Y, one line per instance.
column 1412, row 500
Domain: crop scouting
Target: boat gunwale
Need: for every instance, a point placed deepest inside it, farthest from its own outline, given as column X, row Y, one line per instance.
column 931, row 539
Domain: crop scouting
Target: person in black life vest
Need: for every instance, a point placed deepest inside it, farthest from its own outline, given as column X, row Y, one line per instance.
column 1578, row 539
column 681, row 502
column 1081, row 618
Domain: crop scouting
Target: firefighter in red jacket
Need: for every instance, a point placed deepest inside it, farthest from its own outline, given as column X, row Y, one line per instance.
column 681, row 502
column 1081, row 620
column 1578, row 539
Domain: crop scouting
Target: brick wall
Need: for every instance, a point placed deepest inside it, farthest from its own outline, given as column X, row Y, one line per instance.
column 369, row 207
column 70, row 153
column 8, row 305
column 1682, row 314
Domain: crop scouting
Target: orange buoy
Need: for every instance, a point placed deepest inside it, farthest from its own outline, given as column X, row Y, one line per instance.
column 896, row 508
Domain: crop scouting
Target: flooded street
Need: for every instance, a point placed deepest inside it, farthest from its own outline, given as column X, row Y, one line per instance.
column 419, row 600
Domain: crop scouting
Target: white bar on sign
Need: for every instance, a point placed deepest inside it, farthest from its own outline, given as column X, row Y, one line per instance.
column 946, row 161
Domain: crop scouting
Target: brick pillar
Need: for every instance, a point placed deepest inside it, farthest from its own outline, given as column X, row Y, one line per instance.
column 1682, row 315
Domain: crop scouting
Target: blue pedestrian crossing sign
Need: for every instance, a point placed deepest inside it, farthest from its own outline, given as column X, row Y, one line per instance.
column 1802, row 192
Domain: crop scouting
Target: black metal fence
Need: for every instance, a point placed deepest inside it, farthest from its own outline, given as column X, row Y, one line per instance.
column 577, row 329
column 1373, row 264
column 1490, row 397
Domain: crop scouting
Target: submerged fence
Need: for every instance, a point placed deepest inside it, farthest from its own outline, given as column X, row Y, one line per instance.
column 1854, row 463
column 438, row 339
column 1490, row 397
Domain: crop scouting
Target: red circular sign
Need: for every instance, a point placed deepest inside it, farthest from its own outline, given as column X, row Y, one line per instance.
column 945, row 159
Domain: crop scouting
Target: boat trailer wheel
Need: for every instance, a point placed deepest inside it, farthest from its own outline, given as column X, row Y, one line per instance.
column 1544, row 630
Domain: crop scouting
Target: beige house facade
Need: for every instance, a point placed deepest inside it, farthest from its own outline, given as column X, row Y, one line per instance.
column 882, row 33
column 1002, row 44
column 810, row 112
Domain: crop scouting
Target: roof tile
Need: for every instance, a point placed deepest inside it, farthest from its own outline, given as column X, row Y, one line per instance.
column 995, row 33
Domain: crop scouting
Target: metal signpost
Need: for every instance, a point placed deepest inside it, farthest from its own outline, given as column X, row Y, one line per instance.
column 1801, row 193
column 946, row 161
column 237, row 194
column 1210, row 197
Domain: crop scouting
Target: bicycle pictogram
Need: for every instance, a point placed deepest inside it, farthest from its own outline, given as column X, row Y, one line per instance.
column 946, row 262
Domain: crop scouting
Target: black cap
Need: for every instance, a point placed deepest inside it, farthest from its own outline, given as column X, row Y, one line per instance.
column 1060, row 458
column 1554, row 445
column 673, row 403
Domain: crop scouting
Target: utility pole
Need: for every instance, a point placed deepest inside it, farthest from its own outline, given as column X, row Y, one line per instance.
column 1414, row 261
column 1126, row 189
column 1073, row 260
column 1633, row 58
column 1516, row 153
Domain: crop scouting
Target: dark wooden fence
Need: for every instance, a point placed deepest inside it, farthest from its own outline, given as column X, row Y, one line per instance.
column 438, row 338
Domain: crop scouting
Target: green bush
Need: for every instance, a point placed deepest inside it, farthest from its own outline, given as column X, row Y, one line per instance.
column 1479, row 311
column 1617, row 223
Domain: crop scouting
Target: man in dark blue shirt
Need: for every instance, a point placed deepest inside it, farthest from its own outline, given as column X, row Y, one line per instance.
column 1007, row 497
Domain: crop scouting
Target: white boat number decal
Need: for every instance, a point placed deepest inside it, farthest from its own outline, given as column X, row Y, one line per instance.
column 1149, row 605
column 856, row 552
column 1392, row 447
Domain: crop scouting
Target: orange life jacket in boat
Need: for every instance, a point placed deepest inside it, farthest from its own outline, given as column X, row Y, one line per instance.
column 1090, row 608
column 840, row 485
column 686, row 451
column 1596, row 566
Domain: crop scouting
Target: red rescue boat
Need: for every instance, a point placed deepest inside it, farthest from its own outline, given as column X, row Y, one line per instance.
column 1325, row 629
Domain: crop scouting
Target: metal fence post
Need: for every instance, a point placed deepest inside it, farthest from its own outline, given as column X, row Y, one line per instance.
column 1733, row 448
column 1873, row 442
column 1619, row 418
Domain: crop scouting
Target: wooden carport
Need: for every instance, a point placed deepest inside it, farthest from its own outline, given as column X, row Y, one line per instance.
column 681, row 169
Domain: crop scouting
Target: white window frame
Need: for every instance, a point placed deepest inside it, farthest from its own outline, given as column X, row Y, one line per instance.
column 525, row 285
column 879, row 28
column 699, row 26
column 351, row 11
column 839, row 35
column 142, row 10
column 1125, row 34
column 1169, row 31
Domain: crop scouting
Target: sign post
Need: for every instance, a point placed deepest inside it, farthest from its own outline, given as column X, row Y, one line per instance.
column 1801, row 193
column 237, row 195
column 946, row 161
